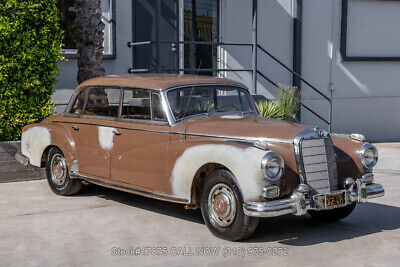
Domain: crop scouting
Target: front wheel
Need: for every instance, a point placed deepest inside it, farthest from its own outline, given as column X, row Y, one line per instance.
column 334, row 214
column 58, row 176
column 222, row 207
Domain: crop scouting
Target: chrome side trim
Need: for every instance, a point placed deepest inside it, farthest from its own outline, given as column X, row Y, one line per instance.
column 131, row 190
column 228, row 138
column 239, row 138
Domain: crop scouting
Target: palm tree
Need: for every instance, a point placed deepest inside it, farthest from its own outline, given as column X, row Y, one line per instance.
column 89, row 39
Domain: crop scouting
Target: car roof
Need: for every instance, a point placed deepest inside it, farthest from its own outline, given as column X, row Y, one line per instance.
column 154, row 81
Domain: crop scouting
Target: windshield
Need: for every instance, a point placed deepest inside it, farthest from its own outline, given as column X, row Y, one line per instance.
column 196, row 100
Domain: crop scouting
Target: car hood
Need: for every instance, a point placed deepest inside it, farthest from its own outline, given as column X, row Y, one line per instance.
column 245, row 127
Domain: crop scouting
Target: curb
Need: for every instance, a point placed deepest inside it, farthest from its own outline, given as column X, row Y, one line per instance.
column 11, row 169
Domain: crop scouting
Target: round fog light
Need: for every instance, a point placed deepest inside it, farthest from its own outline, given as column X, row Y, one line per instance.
column 271, row 191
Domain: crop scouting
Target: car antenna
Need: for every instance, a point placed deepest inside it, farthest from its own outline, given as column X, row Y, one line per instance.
column 190, row 96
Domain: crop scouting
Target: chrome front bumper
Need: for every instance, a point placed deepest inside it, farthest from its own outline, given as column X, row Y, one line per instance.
column 299, row 202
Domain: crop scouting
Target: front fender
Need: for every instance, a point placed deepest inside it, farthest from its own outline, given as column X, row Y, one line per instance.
column 244, row 162
column 348, row 158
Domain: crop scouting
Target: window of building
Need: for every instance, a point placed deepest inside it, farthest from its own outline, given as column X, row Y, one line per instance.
column 369, row 30
column 67, row 22
column 201, row 24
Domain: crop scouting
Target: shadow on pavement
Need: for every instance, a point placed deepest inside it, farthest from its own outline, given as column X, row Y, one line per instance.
column 366, row 219
column 145, row 203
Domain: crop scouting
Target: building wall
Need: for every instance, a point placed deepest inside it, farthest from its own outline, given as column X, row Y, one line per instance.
column 120, row 64
column 275, row 33
column 366, row 96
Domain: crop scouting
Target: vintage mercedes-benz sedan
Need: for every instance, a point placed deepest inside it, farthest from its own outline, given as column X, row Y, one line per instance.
column 200, row 141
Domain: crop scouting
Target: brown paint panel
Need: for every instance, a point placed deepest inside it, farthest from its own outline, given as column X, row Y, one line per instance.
column 92, row 158
column 290, row 179
column 139, row 156
column 246, row 126
column 348, row 158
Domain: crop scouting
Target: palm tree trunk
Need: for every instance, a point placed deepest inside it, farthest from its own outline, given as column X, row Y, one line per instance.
column 89, row 39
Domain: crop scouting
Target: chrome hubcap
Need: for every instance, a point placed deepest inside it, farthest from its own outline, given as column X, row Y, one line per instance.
column 222, row 205
column 58, row 169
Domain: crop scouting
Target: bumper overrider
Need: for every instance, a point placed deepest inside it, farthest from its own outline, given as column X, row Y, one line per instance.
column 300, row 201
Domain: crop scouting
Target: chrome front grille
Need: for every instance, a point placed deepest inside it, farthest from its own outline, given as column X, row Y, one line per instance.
column 319, row 165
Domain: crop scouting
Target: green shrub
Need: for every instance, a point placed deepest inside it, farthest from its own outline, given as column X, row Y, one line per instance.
column 268, row 109
column 30, row 41
column 288, row 101
column 285, row 108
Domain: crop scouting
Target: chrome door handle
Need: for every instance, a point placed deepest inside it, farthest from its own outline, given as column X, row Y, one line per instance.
column 116, row 132
column 76, row 128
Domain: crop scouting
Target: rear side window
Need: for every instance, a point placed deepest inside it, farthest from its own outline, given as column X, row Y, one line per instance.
column 136, row 104
column 98, row 101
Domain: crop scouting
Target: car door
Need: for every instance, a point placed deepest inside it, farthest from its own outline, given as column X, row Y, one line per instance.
column 141, row 147
column 96, row 109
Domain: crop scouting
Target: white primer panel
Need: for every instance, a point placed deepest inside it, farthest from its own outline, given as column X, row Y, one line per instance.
column 106, row 137
column 33, row 142
column 244, row 163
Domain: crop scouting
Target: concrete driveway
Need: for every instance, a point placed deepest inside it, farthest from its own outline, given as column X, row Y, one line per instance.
column 104, row 227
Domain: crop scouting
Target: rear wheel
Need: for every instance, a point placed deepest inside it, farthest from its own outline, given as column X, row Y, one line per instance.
column 58, row 176
column 222, row 207
column 334, row 214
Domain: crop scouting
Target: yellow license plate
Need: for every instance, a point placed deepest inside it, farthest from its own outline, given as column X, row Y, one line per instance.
column 335, row 200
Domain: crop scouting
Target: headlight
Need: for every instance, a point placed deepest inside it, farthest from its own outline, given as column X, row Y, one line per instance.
column 369, row 155
column 272, row 166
